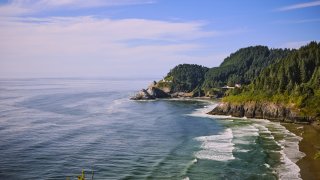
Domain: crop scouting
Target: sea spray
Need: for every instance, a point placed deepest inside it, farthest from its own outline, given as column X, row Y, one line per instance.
column 216, row 147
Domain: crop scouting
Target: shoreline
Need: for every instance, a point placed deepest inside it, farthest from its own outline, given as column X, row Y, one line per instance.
column 310, row 144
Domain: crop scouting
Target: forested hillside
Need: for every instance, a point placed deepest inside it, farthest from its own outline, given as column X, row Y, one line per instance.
column 297, row 73
column 294, row 80
column 186, row 77
column 242, row 66
column 289, row 77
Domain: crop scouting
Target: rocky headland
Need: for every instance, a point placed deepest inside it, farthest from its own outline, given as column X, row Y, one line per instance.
column 150, row 93
column 262, row 110
column 156, row 92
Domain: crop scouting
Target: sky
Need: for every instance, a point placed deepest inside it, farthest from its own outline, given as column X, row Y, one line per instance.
column 142, row 38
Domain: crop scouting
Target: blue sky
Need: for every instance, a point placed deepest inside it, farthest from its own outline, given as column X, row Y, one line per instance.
column 142, row 38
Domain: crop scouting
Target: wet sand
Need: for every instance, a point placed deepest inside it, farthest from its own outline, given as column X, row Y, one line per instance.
column 310, row 144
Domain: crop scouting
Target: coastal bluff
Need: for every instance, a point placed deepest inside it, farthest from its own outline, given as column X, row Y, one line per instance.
column 150, row 93
column 261, row 110
column 158, row 91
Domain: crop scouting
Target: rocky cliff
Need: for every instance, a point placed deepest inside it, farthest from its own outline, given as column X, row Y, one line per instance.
column 265, row 110
column 158, row 90
column 150, row 93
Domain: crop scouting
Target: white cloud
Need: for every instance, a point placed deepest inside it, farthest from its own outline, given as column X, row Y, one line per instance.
column 91, row 3
column 297, row 21
column 12, row 10
column 300, row 6
column 87, row 46
column 21, row 7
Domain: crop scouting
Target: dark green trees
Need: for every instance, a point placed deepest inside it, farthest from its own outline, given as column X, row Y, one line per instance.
column 278, row 75
column 243, row 66
column 293, row 80
column 295, row 73
column 186, row 77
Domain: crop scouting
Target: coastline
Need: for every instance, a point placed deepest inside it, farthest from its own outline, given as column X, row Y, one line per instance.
column 310, row 144
column 262, row 110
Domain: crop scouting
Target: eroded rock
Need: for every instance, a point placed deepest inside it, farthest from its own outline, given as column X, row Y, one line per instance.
column 265, row 110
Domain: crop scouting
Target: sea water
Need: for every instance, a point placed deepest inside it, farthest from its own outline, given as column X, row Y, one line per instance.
column 55, row 128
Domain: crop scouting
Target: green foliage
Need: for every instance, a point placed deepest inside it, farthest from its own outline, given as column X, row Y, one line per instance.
column 82, row 176
column 215, row 92
column 317, row 155
column 242, row 66
column 186, row 77
column 168, row 78
column 297, row 73
column 198, row 92
column 289, row 77
column 293, row 80
column 162, row 84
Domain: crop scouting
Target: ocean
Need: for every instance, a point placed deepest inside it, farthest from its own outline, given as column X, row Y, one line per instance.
column 55, row 128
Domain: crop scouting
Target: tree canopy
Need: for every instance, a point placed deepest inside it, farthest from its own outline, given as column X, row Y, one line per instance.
column 242, row 66
column 280, row 75
column 292, row 80
column 186, row 77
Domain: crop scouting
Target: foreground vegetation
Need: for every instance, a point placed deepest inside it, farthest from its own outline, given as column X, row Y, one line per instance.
column 317, row 156
column 83, row 176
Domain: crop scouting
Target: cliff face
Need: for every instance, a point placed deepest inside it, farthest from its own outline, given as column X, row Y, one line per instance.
column 150, row 93
column 264, row 110
column 155, row 91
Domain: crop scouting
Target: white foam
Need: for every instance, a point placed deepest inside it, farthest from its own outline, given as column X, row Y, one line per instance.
column 244, row 135
column 290, row 154
column 115, row 106
column 246, row 131
column 242, row 150
column 194, row 161
column 216, row 147
column 187, row 167
column 222, row 151
column 202, row 112
column 267, row 165
column 289, row 144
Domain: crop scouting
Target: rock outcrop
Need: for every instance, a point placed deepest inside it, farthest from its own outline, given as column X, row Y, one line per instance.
column 266, row 110
column 157, row 92
column 150, row 93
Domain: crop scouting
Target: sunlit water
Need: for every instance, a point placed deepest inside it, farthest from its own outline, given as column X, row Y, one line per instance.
column 54, row 128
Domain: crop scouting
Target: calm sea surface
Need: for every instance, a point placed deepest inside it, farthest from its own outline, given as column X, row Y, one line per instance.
column 54, row 128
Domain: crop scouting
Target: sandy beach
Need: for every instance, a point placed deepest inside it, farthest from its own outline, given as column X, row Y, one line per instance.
column 310, row 144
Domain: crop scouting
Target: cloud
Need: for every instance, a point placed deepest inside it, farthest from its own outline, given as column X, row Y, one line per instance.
column 91, row 3
column 89, row 46
column 12, row 10
column 21, row 7
column 300, row 6
column 297, row 21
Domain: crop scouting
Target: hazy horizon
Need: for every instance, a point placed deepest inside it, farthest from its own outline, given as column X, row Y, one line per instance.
column 142, row 38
